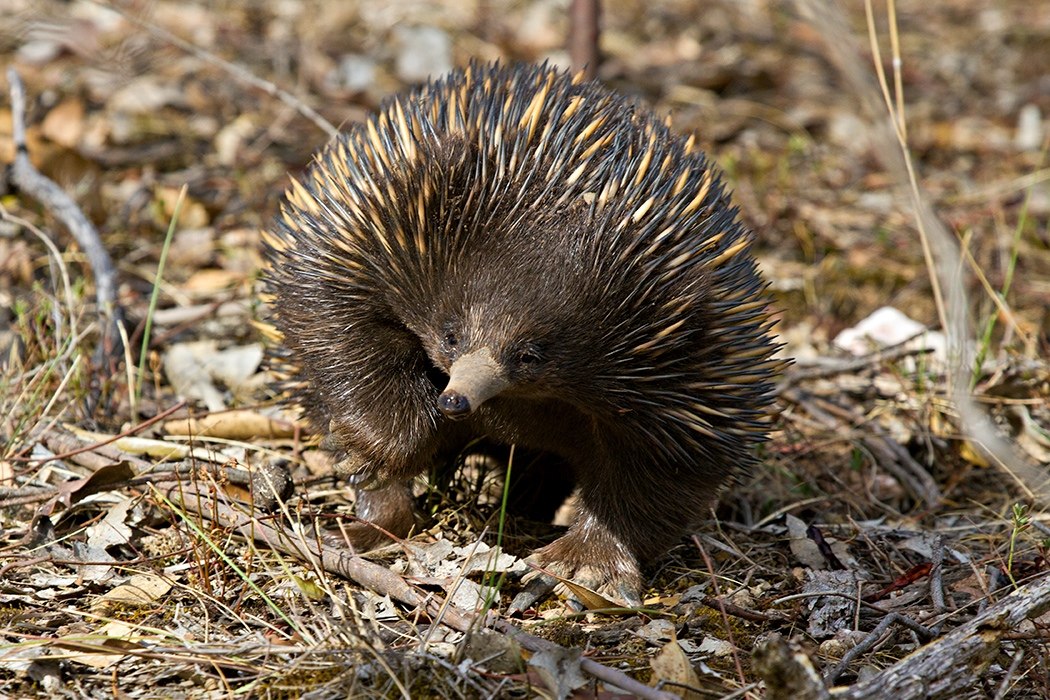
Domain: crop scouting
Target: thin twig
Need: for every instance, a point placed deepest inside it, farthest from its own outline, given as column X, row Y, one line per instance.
column 30, row 181
column 867, row 643
column 1011, row 675
column 873, row 360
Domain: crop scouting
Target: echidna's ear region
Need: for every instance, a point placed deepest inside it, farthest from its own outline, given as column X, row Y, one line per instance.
column 511, row 253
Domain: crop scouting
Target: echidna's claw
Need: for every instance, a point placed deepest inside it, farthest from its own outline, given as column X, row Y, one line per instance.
column 539, row 587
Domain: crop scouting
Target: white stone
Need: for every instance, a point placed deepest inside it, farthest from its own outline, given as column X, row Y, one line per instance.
column 423, row 52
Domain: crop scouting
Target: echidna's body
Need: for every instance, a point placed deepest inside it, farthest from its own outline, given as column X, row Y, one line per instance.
column 510, row 253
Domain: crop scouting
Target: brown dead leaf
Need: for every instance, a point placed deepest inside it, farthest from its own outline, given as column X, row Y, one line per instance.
column 106, row 478
column 672, row 665
column 205, row 283
column 192, row 215
column 590, row 599
column 805, row 550
column 108, row 645
column 7, row 144
column 195, row 369
column 64, row 124
column 972, row 455
column 140, row 591
column 113, row 530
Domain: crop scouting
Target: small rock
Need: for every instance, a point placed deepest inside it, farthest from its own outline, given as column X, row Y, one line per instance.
column 887, row 327
column 1029, row 135
column 992, row 20
column 38, row 51
column 192, row 246
column 423, row 52
column 849, row 131
column 144, row 95
column 877, row 202
column 355, row 73
column 542, row 26
column 231, row 139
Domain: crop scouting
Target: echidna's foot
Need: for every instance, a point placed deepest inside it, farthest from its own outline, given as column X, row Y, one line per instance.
column 383, row 513
column 599, row 564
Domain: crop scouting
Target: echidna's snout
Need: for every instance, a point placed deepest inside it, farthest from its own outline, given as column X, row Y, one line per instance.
column 473, row 379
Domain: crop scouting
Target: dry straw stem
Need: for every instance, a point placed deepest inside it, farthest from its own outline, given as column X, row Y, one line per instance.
column 944, row 263
column 63, row 271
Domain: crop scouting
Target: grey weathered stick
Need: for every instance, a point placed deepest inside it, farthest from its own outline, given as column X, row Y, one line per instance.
column 30, row 181
column 946, row 667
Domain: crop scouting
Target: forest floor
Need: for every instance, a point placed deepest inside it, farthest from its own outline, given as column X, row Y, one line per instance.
column 878, row 531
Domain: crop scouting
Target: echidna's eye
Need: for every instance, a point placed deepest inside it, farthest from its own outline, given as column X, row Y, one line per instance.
column 450, row 340
column 528, row 358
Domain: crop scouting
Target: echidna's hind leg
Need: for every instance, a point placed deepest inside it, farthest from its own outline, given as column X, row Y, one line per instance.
column 622, row 519
column 590, row 555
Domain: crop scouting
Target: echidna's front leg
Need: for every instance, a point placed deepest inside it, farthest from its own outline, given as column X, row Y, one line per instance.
column 589, row 554
column 382, row 492
column 382, row 512
column 380, row 454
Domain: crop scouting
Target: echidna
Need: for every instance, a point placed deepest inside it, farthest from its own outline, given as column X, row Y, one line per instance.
column 514, row 253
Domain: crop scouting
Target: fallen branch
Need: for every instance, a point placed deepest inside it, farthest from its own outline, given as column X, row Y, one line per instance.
column 944, row 668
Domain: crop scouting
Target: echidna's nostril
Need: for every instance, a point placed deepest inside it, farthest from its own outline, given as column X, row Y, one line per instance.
column 453, row 404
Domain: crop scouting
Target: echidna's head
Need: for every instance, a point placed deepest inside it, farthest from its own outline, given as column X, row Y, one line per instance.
column 484, row 365
column 517, row 319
